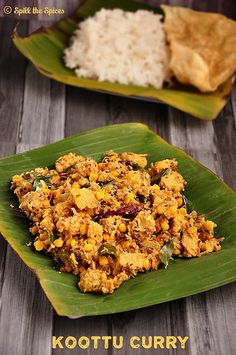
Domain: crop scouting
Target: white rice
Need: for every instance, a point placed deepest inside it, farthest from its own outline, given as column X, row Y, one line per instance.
column 119, row 46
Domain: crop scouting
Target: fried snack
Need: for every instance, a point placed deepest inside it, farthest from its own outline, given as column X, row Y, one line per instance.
column 107, row 221
column 203, row 47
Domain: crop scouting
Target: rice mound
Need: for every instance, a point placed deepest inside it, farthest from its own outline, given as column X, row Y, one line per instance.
column 119, row 46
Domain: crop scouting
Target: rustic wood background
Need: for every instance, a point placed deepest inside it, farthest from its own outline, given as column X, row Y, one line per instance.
column 35, row 111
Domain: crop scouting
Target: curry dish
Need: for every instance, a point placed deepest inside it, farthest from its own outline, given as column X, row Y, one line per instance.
column 107, row 221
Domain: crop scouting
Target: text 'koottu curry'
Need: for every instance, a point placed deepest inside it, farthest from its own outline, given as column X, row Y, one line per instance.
column 107, row 221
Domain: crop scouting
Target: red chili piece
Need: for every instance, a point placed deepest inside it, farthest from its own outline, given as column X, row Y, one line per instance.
column 125, row 211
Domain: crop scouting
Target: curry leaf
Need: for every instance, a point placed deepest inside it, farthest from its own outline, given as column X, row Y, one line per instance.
column 37, row 184
column 187, row 204
column 107, row 249
column 166, row 252
column 157, row 178
column 104, row 183
column 52, row 237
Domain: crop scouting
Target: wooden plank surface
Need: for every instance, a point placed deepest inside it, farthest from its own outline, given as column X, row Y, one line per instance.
column 36, row 111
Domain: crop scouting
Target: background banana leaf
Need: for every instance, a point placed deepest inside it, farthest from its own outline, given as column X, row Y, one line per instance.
column 45, row 50
column 209, row 195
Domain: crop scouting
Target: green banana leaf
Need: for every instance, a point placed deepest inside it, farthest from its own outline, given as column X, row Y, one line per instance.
column 184, row 277
column 44, row 48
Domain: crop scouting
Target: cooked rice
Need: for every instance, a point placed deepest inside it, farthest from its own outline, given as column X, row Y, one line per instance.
column 119, row 46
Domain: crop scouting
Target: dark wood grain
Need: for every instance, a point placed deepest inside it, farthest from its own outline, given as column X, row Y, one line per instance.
column 26, row 316
column 12, row 78
column 43, row 111
column 9, row 117
column 225, row 142
column 204, row 316
column 36, row 111
column 84, row 110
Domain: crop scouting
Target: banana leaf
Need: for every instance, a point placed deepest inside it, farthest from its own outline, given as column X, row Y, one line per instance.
column 184, row 277
column 44, row 48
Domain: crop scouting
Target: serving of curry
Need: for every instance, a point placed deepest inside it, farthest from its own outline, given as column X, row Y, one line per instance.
column 107, row 221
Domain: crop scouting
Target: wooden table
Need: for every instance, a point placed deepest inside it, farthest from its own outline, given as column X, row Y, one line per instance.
column 35, row 111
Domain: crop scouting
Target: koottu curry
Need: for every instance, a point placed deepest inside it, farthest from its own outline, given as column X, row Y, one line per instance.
column 107, row 221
